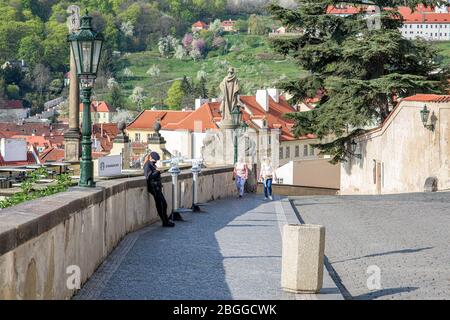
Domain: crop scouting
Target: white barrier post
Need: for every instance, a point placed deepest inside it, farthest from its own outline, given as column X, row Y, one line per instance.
column 196, row 169
column 174, row 172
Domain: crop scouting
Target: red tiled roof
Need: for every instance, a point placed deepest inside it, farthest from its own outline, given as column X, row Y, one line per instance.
column 12, row 104
column 344, row 10
column 428, row 98
column 147, row 118
column 200, row 24
column 36, row 141
column 52, row 154
column 8, row 134
column 28, row 128
column 203, row 115
column 420, row 15
column 423, row 16
column 228, row 23
column 99, row 106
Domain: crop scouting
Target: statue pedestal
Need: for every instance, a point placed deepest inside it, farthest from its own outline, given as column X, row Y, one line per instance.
column 227, row 124
column 72, row 146
column 228, row 146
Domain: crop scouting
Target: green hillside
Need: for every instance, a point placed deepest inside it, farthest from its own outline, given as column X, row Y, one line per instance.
column 255, row 62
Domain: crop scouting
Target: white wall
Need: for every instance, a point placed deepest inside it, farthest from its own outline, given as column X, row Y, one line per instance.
column 407, row 152
column 13, row 149
column 178, row 141
column 428, row 31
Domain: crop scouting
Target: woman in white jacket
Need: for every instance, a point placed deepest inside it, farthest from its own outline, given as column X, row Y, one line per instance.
column 267, row 175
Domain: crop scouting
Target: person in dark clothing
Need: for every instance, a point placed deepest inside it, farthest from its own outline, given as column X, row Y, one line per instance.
column 154, row 187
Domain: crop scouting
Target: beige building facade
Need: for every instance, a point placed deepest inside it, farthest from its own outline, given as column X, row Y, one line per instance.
column 400, row 155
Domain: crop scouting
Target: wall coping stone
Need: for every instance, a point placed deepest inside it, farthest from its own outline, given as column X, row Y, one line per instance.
column 28, row 220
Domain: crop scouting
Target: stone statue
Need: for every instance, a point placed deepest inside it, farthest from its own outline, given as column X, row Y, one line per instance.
column 73, row 21
column 230, row 90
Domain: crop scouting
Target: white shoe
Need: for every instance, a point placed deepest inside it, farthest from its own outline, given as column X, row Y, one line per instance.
column 265, row 198
column 270, row 197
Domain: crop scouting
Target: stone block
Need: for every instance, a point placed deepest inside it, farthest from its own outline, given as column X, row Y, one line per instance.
column 302, row 258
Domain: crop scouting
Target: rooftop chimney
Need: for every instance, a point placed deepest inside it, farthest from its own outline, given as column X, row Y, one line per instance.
column 262, row 97
column 274, row 94
column 199, row 102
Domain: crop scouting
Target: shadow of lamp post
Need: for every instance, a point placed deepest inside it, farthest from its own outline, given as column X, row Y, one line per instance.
column 354, row 147
column 86, row 46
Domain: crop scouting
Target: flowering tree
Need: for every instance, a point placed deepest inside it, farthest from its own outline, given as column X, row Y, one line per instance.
column 180, row 52
column 153, row 71
column 138, row 96
column 187, row 40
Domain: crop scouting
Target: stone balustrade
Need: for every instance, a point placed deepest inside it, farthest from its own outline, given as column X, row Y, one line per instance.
column 43, row 241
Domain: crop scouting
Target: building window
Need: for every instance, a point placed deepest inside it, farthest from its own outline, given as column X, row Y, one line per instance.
column 279, row 180
column 137, row 137
column 288, row 152
column 281, row 152
column 270, row 140
column 305, row 150
column 311, row 150
column 297, row 151
column 148, row 136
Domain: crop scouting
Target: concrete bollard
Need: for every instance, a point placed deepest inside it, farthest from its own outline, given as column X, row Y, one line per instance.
column 302, row 258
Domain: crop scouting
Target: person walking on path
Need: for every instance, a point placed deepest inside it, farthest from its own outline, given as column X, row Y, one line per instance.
column 267, row 175
column 240, row 174
column 154, row 187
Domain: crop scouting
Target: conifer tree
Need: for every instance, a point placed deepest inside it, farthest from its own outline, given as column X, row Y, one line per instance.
column 359, row 65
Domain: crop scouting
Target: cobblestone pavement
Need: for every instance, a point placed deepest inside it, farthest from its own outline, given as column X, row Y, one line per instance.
column 406, row 236
column 232, row 251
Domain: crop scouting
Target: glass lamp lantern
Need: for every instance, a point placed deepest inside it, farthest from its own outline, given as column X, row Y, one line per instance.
column 86, row 46
column 236, row 114
column 424, row 115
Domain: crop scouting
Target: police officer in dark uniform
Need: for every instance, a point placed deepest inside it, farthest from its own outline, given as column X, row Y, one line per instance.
column 154, row 186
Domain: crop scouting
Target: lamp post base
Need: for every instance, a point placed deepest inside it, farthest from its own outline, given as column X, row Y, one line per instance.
column 86, row 174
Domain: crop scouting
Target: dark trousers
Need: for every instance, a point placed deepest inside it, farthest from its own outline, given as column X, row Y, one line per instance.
column 160, row 203
column 267, row 187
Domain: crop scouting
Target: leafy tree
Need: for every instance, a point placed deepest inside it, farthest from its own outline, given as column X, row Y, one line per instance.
column 257, row 25
column 13, row 91
column 216, row 27
column 359, row 72
column 175, row 95
column 41, row 78
column 115, row 97
column 241, row 25
column 31, row 49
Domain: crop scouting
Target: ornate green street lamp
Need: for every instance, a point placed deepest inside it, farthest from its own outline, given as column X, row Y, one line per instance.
column 86, row 46
column 425, row 115
column 236, row 115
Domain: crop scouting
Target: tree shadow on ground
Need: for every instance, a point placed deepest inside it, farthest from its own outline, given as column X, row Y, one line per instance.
column 188, row 262
column 402, row 251
column 384, row 292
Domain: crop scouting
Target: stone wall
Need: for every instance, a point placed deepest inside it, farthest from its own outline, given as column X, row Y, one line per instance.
column 399, row 156
column 40, row 239
column 292, row 190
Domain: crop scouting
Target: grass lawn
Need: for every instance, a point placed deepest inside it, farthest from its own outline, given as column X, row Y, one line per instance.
column 255, row 62
column 444, row 50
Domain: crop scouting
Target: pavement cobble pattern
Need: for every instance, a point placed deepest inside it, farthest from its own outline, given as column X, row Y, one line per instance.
column 231, row 251
column 406, row 236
